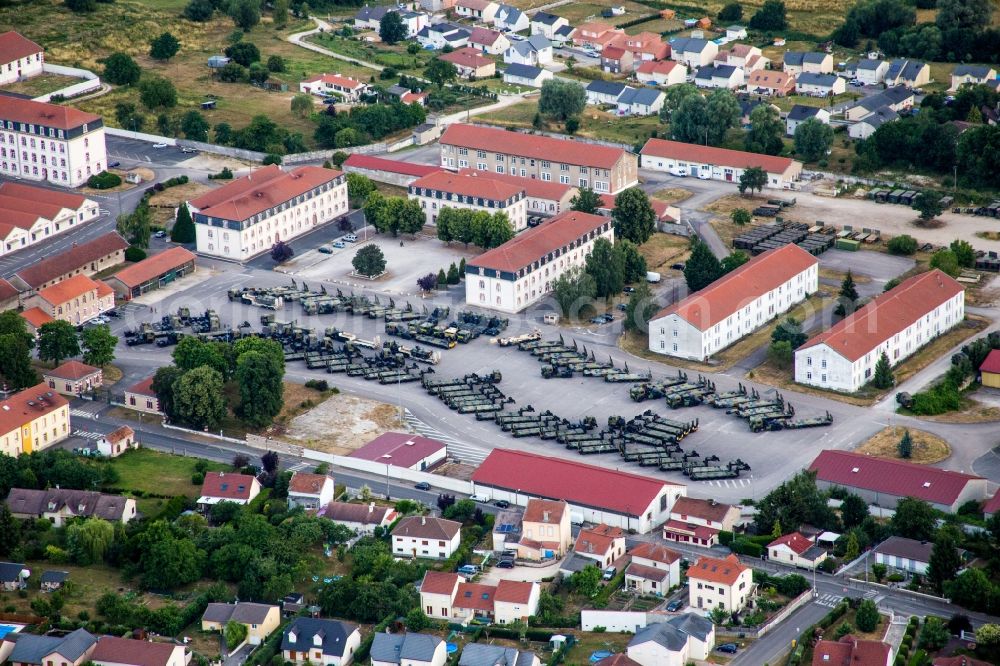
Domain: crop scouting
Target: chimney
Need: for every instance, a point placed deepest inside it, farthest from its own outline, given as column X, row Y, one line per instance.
column 371, row 507
column 423, row 520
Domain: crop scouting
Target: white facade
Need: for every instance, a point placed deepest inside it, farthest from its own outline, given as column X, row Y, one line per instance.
column 427, row 549
column 708, row 593
column 541, row 77
column 641, row 105
column 477, row 10
column 34, row 202
column 694, row 53
column 309, row 500
column 659, row 76
column 335, row 85
column 900, row 563
column 710, row 163
column 548, row 29
column 510, row 19
column 833, row 85
column 792, row 124
column 21, row 68
column 717, row 77
column 414, row 22
column 516, row 208
column 534, row 52
column 873, row 73
column 508, row 612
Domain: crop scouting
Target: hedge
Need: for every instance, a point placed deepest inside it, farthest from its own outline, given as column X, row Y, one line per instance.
column 104, row 181
column 175, row 181
column 134, row 253
column 725, row 537
column 748, row 548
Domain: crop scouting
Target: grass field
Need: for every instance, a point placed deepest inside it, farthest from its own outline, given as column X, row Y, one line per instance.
column 927, row 447
column 594, row 123
column 40, row 85
column 160, row 473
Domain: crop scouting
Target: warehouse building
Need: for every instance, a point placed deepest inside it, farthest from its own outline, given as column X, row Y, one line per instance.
column 84, row 259
column 152, row 273
column 898, row 322
column 735, row 305
column 709, row 163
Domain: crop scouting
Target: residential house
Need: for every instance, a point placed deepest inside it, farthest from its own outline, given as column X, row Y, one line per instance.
column 897, row 323
column 73, row 378
column 489, row 41
column 699, row 521
column 820, row 85
column 483, row 654
column 426, row 537
column 510, row 19
column 692, row 52
column 72, row 649
column 616, row 60
column 142, row 398
column 906, row 555
column 644, row 47
column 661, row 73
column 602, row 543
column 59, row 505
column 708, row 162
column 971, row 75
column 719, row 76
column 796, row 550
column 20, row 58
column 310, row 491
column 414, row 22
column 735, row 32
column 439, row 35
column 470, row 63
column 991, row 506
column 801, row 113
column 641, row 102
column 227, row 487
column 115, row 651
column 477, row 10
column 313, row 640
column 362, row 518
column 52, row 580
column 596, row 35
column 405, row 450
column 13, row 576
column 444, row 596
column 525, row 75
column 515, row 601
column 545, row 24
column 771, row 82
column 871, row 72
column 450, row 190
column 865, row 127
column 33, row 419
column 850, row 650
column 77, row 299
column 334, row 85
column 545, row 530
column 436, row 5
column 408, row 649
column 989, row 370
column 909, row 73
column 678, row 641
column 653, row 569
column 259, row 619
column 605, row 92
column 746, row 57
column 370, row 18
column 811, row 62
column 897, row 99
column 535, row 51
column 563, row 35
column 117, row 442
column 404, row 95
column 719, row 583
column 544, row 198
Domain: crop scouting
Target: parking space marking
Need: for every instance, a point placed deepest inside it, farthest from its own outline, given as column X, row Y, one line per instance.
column 467, row 453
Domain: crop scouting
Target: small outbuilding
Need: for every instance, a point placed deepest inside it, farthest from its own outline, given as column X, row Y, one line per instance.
column 989, row 371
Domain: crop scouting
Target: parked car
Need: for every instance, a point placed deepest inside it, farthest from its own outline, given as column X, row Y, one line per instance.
column 505, row 564
column 675, row 605
column 189, row 151
column 159, row 145
column 423, row 485
column 628, row 290
column 609, row 573
column 351, row 238
column 677, row 267
column 325, row 249
column 114, row 164
column 483, row 499
column 161, row 234
column 339, row 244
column 728, row 648
column 623, row 307
column 502, row 504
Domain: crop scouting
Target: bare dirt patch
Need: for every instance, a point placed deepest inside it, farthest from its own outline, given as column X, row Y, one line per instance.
column 671, row 194
column 831, row 274
column 175, row 196
column 928, row 224
column 927, row 448
column 661, row 250
column 341, row 423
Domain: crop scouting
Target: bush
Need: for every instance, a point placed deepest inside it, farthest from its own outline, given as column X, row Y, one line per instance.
column 225, row 174
column 197, row 479
column 318, row 385
column 896, row 578
column 174, row 182
column 725, row 537
column 134, row 253
column 745, row 547
column 104, row 181
column 902, row 245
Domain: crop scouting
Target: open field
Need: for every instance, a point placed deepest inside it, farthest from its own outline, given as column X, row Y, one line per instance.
column 662, row 250
column 927, row 447
column 41, row 85
column 160, row 473
column 594, row 123
column 341, row 424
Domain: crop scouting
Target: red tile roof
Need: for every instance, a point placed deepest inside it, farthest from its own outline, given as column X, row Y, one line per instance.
column 850, row 651
column 514, row 592
column 532, row 244
column 647, row 572
column 659, row 207
column 228, row 485
column 114, row 650
column 597, row 540
column 887, row 314
column 71, row 370
column 503, row 141
column 398, row 448
column 358, row 161
column 620, row 659
column 37, row 317
column 153, row 267
column 706, row 509
column 475, row 596
column 681, row 527
column 612, row 52
column 42, row 196
column 795, row 541
column 575, row 482
column 68, row 289
column 725, row 571
column 119, row 434
column 992, row 505
column 891, row 477
column 306, row 483
column 245, row 197
column 771, row 79
column 736, row 290
column 533, row 187
column 655, row 552
column 145, row 387
column 484, row 36
column 467, row 56
column 27, row 405
column 736, row 159
column 991, row 363
column 14, row 46
column 7, row 291
column 544, row 511
column 336, row 79
column 48, row 115
column 468, row 185
column 72, row 259
column 478, row 5
column 657, row 67
column 437, row 582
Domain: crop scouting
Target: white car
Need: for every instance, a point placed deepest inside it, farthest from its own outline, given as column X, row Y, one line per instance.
column 159, row 145
column 482, row 499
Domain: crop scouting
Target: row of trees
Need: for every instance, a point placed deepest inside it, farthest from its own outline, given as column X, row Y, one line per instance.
column 703, row 268
column 607, row 269
column 477, row 227
column 363, row 124
column 394, row 215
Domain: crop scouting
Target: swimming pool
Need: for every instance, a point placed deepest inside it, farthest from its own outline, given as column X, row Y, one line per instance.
column 10, row 629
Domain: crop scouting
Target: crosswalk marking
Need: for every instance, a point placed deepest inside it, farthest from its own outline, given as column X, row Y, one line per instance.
column 87, row 435
column 82, row 413
column 829, row 600
column 298, row 467
column 728, row 483
column 466, row 453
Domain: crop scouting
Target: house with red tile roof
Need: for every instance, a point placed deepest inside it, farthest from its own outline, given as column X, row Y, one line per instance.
column 796, row 550
column 989, row 370
column 596, row 35
column 708, row 162
column 77, row 299
column 543, row 197
column 73, row 378
column 8, row 295
column 395, row 172
column 403, row 449
column 20, row 58
column 521, row 272
column 362, row 518
column 645, row 47
column 653, row 569
column 719, row 583
column 896, row 323
column 594, row 494
column 29, row 214
column 117, row 442
column 545, row 530
column 992, row 506
column 735, row 305
column 851, row 651
column 87, row 258
column 478, row 10
column 227, row 487
column 746, row 57
column 771, row 82
column 470, row 191
column 334, row 85
column 310, row 491
column 470, row 62
column 36, row 317
column 883, row 482
column 248, row 216
column 33, row 419
column 616, row 59
column 602, row 543
column 444, row 596
column 665, row 213
column 142, row 398
column 664, row 73
column 489, row 41
column 699, row 521
column 114, row 651
column 152, row 272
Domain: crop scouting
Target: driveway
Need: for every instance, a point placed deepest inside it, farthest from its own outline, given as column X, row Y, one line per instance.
column 239, row 657
column 520, row 573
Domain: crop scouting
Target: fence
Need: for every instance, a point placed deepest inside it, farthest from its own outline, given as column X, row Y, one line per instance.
column 318, row 155
column 778, row 618
column 90, row 82
column 396, row 473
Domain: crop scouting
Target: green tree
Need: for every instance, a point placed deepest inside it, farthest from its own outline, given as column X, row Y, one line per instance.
column 258, row 74
column 585, row 200
column 194, row 126
column 156, row 92
column 853, row 511
column 813, row 139
column 928, row 204
column 164, row 381
column 879, row 571
column 275, row 63
column 452, row 276
column 780, row 353
column 279, row 15
column 853, row 549
column 945, row 260
column 964, row 15
column 235, row 634
column 57, row 341
column 905, row 446
column 369, row 261
column 245, row 13
column 259, row 378
column 934, row 635
column 632, row 260
column 733, row 11
column 10, row 531
column 98, row 345
column 574, row 289
column 733, row 260
column 741, row 216
column 794, row 502
column 766, row 131
column 634, row 217
column 702, row 268
column 903, row 245
column 417, row 621
column 121, row 70
column 391, row 28
column 971, row 589
column 81, row 6
column 183, row 230
column 724, row 112
column 867, row 616
column 770, row 17
column 673, row 98
column 965, row 255
column 790, row 330
column 89, row 540
column 199, row 399
column 988, row 634
column 497, row 230
column 440, row 72
column 847, row 299
column 199, row 10
column 719, row 615
column 223, row 133
column 640, row 309
column 359, row 187
column 462, row 511
column 192, row 352
column 606, row 267
column 587, row 581
column 752, row 179
column 302, row 104
column 270, row 348
column 16, row 343
column 442, row 278
column 164, row 47
column 562, row 99
column 914, row 519
column 244, row 53
column 704, row 120
column 944, row 563
column 883, row 377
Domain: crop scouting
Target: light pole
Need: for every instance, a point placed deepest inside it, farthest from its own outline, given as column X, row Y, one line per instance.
column 387, row 481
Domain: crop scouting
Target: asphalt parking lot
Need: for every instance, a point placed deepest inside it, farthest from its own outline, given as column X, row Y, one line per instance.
column 880, row 267
column 134, row 150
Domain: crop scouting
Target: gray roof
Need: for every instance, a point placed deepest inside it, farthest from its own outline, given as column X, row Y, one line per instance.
column 813, row 58
column 979, row 71
column 243, row 612
column 793, row 58
column 577, row 562
column 480, row 654
column 911, row 549
column 367, row 13
column 693, row 625
column 508, row 14
column 397, row 90
column 606, row 88
column 332, row 633
column 662, row 633
column 533, row 43
column 803, row 112
column 709, row 72
column 32, row 649
column 879, row 117
column 868, row 64
column 54, row 576
column 523, row 71
column 685, row 44
column 393, row 648
column 906, row 70
column 10, row 572
column 810, row 79
column 643, row 96
column 887, row 97
column 88, row 503
column 545, row 18
column 566, row 30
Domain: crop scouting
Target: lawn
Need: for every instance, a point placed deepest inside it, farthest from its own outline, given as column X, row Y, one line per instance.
column 588, row 643
column 662, row 250
column 160, row 473
column 40, row 85
column 381, row 54
column 594, row 123
column 927, row 447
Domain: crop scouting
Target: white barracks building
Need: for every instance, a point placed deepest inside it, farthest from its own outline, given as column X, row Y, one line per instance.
column 49, row 142
column 444, row 189
column 898, row 322
column 520, row 272
column 735, row 304
column 246, row 217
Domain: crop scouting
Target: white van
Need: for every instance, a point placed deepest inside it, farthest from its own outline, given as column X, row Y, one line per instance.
column 482, row 499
